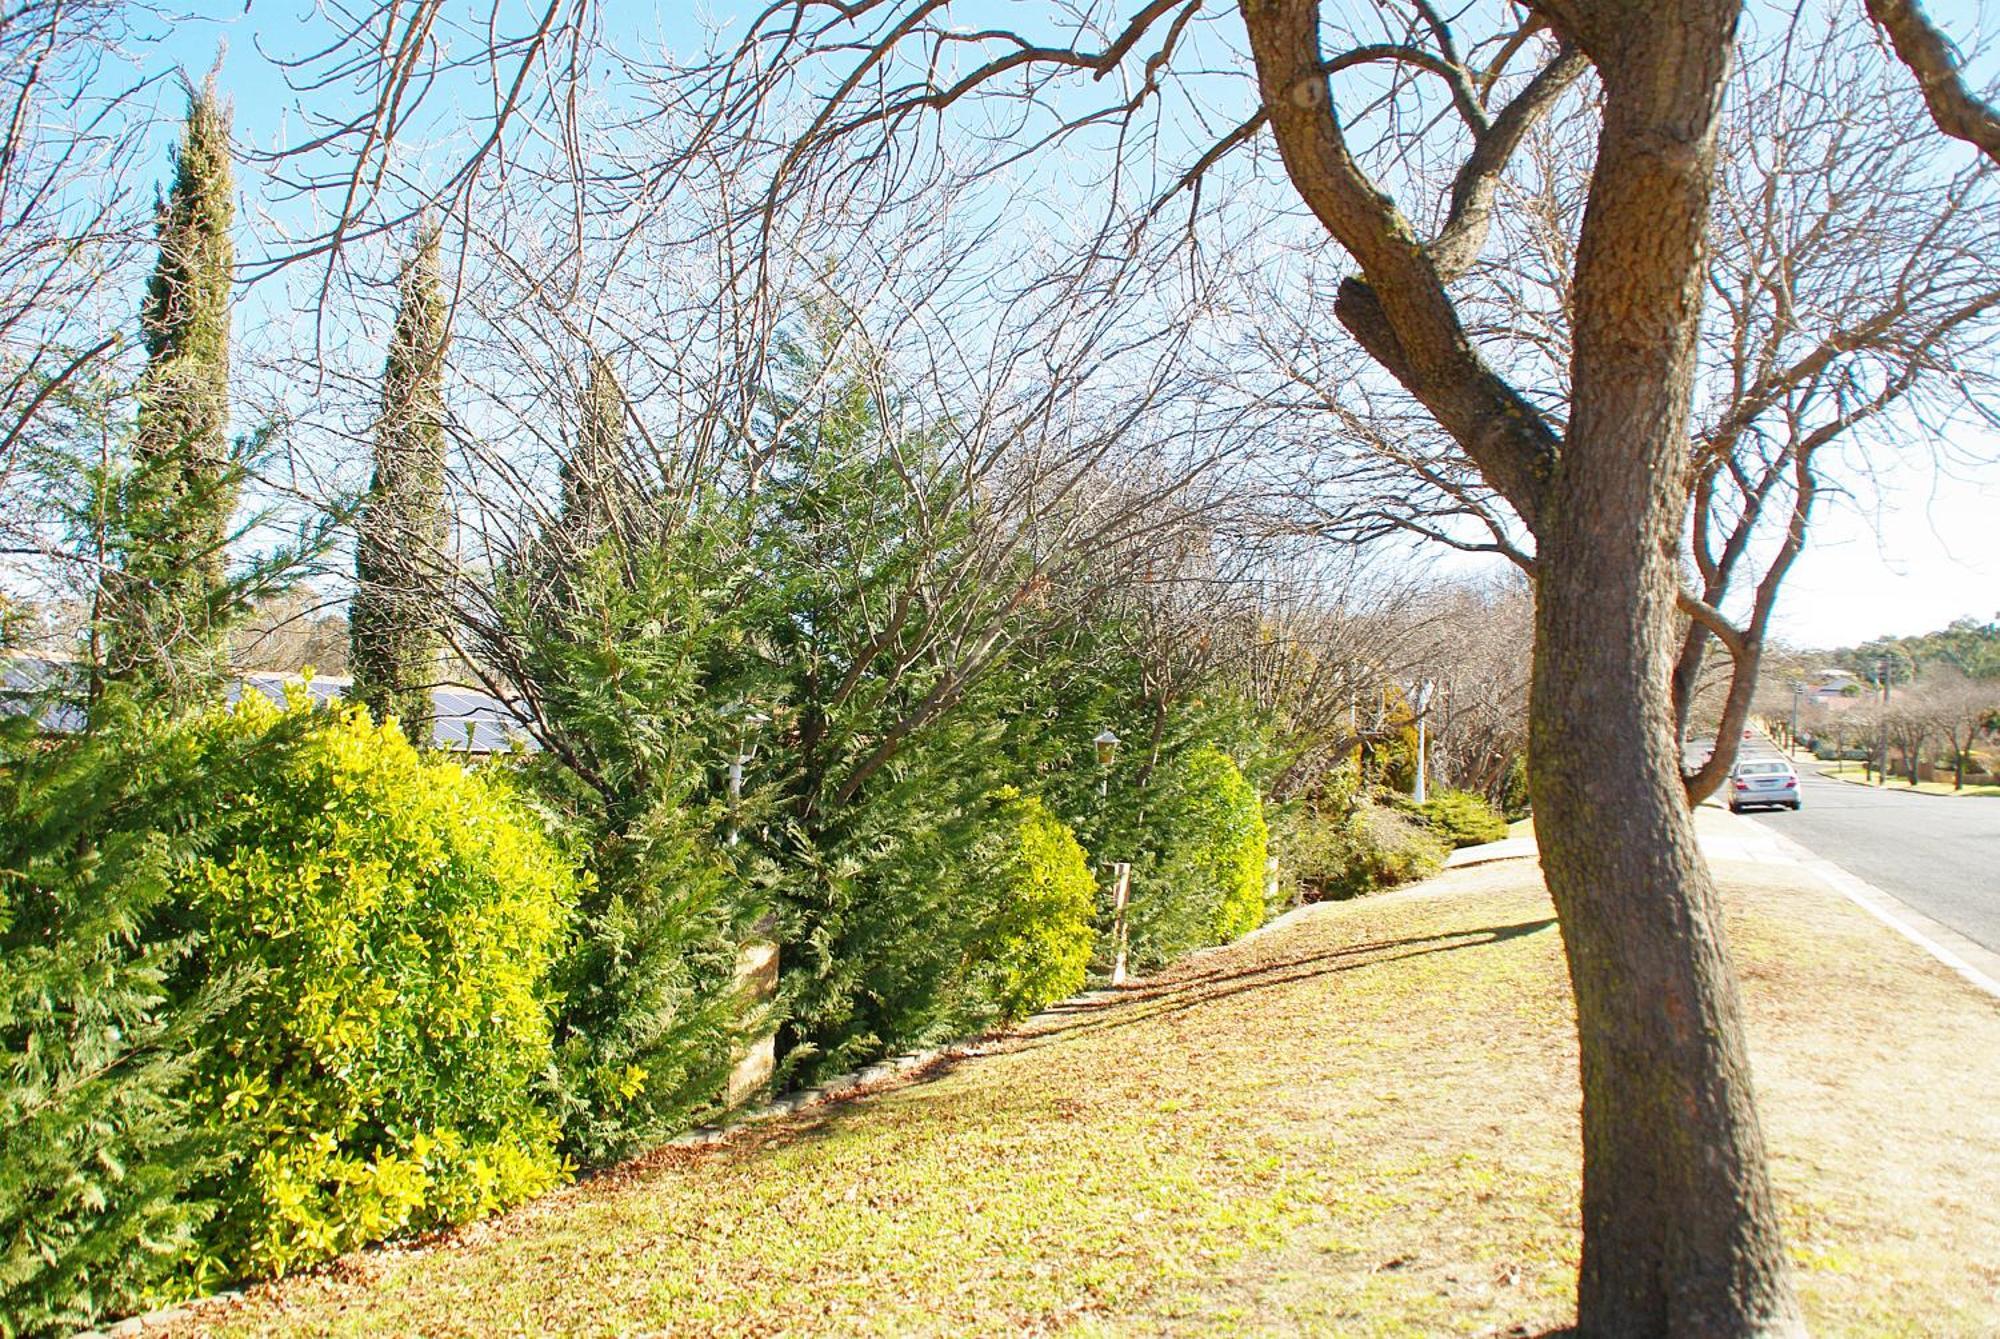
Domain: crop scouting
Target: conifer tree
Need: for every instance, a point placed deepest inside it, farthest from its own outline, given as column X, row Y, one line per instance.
column 397, row 617
column 594, row 494
column 164, row 610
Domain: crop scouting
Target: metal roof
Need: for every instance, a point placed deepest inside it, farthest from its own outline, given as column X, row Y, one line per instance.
column 463, row 720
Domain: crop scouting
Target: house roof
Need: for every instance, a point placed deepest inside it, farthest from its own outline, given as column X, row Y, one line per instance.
column 463, row 720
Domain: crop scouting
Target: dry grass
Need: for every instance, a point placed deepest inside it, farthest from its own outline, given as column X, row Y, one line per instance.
column 1360, row 1122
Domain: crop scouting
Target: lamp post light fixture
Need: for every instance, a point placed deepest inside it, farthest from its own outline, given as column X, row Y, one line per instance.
column 1107, row 753
column 1882, row 672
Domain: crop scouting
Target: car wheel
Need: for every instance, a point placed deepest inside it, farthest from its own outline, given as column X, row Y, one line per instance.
column 1797, row 805
column 1735, row 808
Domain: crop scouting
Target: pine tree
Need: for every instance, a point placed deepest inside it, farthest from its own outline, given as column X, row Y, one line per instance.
column 397, row 617
column 164, row 609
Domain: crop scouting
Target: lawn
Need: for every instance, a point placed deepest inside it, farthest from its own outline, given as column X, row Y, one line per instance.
column 1855, row 772
column 1359, row 1122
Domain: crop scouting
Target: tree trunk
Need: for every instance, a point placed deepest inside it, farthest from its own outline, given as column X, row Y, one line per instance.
column 1680, row 1233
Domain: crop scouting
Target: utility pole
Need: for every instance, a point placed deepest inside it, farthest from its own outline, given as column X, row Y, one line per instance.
column 1882, row 671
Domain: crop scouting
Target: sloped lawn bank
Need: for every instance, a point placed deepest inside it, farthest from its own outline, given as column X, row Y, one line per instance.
column 1361, row 1121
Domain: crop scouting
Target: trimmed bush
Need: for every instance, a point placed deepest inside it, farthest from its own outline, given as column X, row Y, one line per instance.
column 1204, row 882
column 1462, row 818
column 984, row 922
column 399, row 914
column 1035, row 946
column 1389, row 848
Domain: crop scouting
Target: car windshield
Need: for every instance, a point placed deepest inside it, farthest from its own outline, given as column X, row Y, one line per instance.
column 1763, row 769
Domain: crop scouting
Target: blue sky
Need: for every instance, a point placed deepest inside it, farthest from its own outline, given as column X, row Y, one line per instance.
column 1911, row 551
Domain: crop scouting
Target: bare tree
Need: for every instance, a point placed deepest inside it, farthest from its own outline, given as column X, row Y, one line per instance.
column 1961, row 710
column 1920, row 45
column 76, row 231
column 73, row 221
column 1480, row 659
column 1855, row 304
column 1680, row 1233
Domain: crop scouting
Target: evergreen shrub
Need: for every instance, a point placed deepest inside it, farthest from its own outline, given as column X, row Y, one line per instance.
column 621, row 648
column 1514, row 798
column 1035, row 943
column 399, row 915
column 1462, row 817
column 985, row 922
column 1314, row 848
column 98, row 1142
column 1388, row 847
column 1207, row 840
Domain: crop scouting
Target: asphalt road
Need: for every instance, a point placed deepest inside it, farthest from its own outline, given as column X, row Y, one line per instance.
column 1940, row 854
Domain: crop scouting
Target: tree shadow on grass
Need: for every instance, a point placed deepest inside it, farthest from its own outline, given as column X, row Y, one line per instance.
column 1140, row 1002
column 1147, row 1000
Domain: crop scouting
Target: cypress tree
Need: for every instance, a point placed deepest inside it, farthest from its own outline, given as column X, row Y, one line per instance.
column 165, row 608
column 594, row 495
column 397, row 617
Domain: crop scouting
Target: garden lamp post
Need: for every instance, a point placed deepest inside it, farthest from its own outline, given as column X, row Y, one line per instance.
column 1423, row 696
column 1882, row 673
column 1107, row 753
column 1121, row 871
column 756, row 976
column 746, row 744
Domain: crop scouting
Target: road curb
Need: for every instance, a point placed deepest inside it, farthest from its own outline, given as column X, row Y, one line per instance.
column 1974, row 962
column 1825, row 775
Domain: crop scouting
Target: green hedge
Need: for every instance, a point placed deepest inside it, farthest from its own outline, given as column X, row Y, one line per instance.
column 398, row 914
column 98, row 1140
column 1199, row 877
column 985, row 922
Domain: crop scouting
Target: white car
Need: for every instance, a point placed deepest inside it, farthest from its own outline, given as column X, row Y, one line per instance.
column 1763, row 782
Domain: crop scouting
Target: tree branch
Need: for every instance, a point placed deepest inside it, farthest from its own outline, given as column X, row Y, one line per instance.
column 1928, row 54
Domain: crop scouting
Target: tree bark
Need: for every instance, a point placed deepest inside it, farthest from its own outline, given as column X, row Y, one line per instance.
column 1680, row 1233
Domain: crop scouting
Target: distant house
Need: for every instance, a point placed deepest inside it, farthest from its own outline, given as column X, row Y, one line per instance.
column 464, row 720
column 1834, row 689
